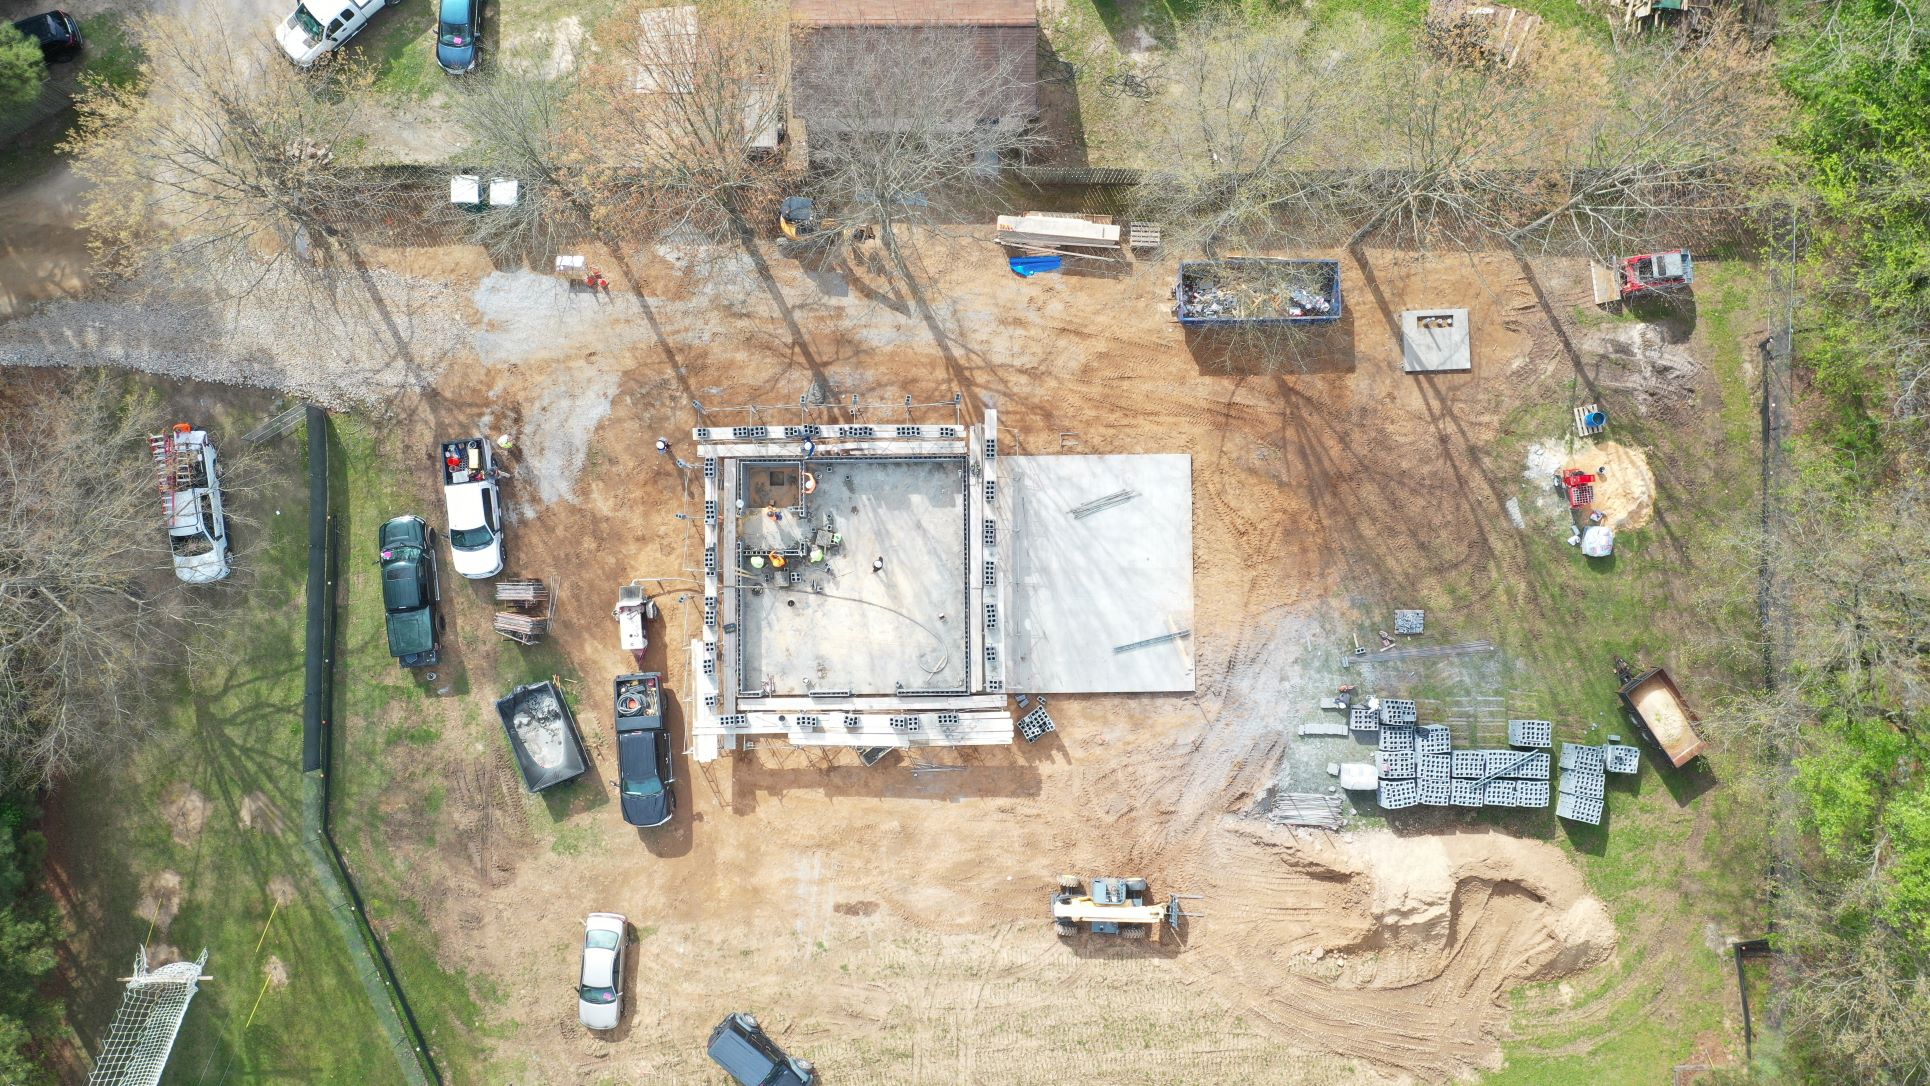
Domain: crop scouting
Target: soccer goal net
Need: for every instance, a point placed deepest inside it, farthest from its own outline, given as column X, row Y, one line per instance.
column 137, row 1046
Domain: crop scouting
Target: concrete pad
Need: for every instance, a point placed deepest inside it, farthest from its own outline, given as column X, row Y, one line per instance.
column 1435, row 341
column 846, row 627
column 1079, row 586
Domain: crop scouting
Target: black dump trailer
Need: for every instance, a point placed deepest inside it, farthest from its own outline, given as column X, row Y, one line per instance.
column 1243, row 291
column 542, row 734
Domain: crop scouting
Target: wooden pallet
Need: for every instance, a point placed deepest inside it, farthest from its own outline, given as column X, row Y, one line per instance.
column 1582, row 428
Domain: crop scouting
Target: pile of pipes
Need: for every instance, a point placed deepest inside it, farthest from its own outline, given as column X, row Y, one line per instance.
column 1307, row 809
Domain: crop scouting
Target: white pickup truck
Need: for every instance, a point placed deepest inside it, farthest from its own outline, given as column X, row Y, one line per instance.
column 319, row 26
column 190, row 482
column 475, row 507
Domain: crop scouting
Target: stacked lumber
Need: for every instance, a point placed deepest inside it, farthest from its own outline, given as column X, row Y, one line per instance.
column 528, row 617
column 1055, row 232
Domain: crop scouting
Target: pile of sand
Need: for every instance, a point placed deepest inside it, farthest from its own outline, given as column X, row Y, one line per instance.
column 1359, row 943
column 1624, row 486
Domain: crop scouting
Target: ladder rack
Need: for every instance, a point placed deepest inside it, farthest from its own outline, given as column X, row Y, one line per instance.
column 174, row 466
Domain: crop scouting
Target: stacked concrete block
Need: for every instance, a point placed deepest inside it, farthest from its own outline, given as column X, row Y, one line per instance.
column 1621, row 759
column 1394, row 795
column 1465, row 794
column 1584, row 782
column 1362, row 719
column 1533, row 768
column 1470, row 763
column 1398, row 711
column 1579, row 809
column 1399, row 737
column 1578, row 756
column 1434, row 767
column 1395, row 763
column 1437, row 793
column 1432, row 739
column 1539, row 734
column 1501, row 793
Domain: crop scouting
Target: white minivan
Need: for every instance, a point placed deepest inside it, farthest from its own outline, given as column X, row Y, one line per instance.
column 318, row 26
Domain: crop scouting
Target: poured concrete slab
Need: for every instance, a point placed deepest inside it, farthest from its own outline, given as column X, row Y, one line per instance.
column 1435, row 341
column 1080, row 586
column 846, row 627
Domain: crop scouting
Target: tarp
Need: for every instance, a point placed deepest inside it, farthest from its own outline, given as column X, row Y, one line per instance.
column 1028, row 266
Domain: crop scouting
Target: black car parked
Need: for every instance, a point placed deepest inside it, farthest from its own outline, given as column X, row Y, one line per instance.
column 741, row 1047
column 643, row 751
column 56, row 31
column 410, row 591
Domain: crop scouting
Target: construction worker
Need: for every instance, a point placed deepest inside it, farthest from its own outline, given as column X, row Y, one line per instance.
column 878, row 566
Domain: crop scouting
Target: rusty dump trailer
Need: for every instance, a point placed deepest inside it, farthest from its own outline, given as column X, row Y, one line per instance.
column 1654, row 700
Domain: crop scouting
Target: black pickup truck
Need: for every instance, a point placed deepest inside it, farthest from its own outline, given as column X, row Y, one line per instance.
column 643, row 751
column 410, row 591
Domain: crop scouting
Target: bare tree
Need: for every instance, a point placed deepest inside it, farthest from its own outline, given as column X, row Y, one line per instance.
column 1683, row 138
column 907, row 129
column 522, row 129
column 1279, row 133
column 684, row 110
column 1238, row 140
column 224, row 155
column 82, row 551
column 1441, row 152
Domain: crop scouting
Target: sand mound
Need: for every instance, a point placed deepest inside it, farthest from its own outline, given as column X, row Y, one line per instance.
column 160, row 899
column 282, row 889
column 186, row 811
column 259, row 813
column 1357, row 944
column 1625, row 492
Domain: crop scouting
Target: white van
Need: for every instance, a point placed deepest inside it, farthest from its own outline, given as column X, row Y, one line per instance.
column 318, row 26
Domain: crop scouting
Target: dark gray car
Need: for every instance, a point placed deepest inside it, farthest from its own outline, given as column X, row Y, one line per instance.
column 741, row 1047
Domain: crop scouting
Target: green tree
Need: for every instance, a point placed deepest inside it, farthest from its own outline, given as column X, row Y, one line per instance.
column 28, row 928
column 21, row 69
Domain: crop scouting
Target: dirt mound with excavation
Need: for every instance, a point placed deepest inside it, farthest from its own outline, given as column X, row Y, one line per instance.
column 1624, row 486
column 1395, row 950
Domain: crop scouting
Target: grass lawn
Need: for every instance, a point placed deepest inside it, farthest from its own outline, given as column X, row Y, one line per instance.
column 125, row 844
column 390, row 758
column 1678, row 861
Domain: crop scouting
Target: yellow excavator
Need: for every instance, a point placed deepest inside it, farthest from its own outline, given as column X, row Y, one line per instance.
column 797, row 217
column 1112, row 906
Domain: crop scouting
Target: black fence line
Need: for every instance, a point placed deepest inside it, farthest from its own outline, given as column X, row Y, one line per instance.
column 318, row 700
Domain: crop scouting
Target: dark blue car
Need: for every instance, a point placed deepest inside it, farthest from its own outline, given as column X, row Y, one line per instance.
column 742, row 1048
column 643, row 751
column 56, row 32
column 457, row 24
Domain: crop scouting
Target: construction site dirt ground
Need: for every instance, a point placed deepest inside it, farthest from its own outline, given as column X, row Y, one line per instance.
column 893, row 926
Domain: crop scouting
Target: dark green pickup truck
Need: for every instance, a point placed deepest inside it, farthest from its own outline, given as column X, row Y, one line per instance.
column 410, row 591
